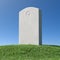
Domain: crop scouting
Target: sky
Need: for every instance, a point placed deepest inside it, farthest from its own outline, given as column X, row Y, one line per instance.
column 9, row 18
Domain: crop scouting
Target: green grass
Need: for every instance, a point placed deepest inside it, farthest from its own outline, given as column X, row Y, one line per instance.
column 29, row 52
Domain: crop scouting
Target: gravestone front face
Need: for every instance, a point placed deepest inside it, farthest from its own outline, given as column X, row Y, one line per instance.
column 30, row 26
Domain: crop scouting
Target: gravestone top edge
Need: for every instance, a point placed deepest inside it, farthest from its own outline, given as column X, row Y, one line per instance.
column 35, row 8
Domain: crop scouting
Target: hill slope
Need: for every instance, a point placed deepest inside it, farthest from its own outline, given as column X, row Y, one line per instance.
column 29, row 52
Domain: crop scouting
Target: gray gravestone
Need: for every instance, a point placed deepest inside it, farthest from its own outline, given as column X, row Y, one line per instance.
column 30, row 26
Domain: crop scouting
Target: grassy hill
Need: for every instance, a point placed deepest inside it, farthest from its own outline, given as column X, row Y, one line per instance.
column 29, row 52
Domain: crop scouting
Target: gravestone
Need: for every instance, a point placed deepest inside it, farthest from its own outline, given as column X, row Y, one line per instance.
column 30, row 26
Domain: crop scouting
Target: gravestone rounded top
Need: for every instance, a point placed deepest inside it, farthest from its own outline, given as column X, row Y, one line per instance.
column 29, row 10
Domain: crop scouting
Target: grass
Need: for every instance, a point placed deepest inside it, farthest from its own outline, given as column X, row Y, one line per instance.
column 29, row 52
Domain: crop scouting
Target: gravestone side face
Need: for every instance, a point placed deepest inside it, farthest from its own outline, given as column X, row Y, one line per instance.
column 30, row 28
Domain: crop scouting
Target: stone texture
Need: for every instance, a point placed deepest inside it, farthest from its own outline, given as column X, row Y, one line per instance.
column 30, row 26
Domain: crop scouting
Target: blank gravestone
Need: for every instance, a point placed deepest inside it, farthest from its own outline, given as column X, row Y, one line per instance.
column 30, row 26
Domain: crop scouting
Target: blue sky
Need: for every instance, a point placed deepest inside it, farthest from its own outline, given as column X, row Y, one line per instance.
column 9, row 11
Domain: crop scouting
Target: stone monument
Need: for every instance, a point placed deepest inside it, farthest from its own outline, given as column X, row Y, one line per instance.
column 30, row 26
